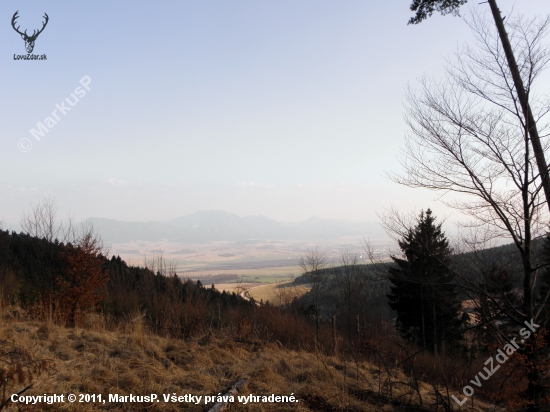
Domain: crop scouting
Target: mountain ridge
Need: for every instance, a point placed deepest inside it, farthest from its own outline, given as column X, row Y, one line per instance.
column 215, row 225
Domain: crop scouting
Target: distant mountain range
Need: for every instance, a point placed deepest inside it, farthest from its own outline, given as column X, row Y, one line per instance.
column 213, row 225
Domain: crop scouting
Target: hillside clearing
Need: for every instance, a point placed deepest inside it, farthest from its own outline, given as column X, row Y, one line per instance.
column 132, row 361
column 275, row 292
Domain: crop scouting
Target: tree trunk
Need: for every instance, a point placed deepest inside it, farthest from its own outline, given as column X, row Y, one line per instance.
column 334, row 341
column 316, row 326
column 523, row 99
column 422, row 310
column 434, row 322
column 350, row 326
column 535, row 388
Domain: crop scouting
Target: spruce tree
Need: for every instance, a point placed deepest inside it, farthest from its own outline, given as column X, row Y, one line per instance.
column 423, row 291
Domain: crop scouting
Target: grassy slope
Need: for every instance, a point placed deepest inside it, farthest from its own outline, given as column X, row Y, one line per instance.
column 95, row 360
column 273, row 292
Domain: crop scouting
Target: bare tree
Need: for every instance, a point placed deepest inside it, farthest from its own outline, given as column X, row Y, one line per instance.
column 469, row 136
column 71, row 288
column 519, row 79
column 313, row 264
column 159, row 264
column 350, row 281
column 286, row 292
column 522, row 76
column 41, row 221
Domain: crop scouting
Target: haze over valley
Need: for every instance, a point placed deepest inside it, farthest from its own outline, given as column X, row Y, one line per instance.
column 275, row 206
column 228, row 246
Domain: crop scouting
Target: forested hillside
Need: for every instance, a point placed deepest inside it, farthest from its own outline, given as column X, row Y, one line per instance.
column 349, row 315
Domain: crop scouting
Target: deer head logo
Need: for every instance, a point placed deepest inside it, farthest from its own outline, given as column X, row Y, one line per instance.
column 29, row 40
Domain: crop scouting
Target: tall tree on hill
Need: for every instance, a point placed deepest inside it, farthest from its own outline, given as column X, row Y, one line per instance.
column 313, row 264
column 469, row 136
column 349, row 282
column 81, row 277
column 42, row 223
column 520, row 75
column 423, row 292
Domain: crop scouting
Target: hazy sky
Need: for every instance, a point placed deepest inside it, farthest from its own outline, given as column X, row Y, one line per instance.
column 282, row 108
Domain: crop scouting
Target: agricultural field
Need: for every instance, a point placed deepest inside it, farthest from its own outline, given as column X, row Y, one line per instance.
column 234, row 287
column 255, row 261
column 277, row 292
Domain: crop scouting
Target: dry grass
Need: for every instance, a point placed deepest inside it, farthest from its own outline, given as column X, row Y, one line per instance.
column 277, row 292
column 234, row 287
column 94, row 360
column 260, row 270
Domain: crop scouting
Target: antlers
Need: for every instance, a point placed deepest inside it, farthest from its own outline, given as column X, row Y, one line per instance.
column 35, row 33
column 15, row 16
column 43, row 25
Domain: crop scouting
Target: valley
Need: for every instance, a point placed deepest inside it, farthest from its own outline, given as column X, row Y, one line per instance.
column 224, row 263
